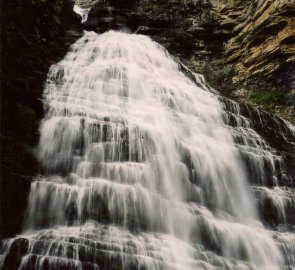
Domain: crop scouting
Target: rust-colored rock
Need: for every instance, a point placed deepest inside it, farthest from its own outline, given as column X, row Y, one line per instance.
column 264, row 42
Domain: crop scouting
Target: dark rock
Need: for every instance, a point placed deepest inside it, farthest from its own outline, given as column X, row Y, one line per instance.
column 34, row 35
column 179, row 26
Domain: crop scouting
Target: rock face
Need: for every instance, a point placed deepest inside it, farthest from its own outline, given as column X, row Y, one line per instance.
column 33, row 36
column 246, row 48
column 85, row 3
column 262, row 40
column 181, row 26
column 263, row 44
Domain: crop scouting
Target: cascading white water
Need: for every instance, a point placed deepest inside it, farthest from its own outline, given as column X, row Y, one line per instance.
column 83, row 12
column 140, row 170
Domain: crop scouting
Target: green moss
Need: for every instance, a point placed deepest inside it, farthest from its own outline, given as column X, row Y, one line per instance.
column 273, row 97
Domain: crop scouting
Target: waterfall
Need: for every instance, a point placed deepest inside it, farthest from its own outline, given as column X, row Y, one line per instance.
column 82, row 12
column 145, row 168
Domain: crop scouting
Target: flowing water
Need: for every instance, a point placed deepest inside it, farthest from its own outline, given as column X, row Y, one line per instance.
column 145, row 168
column 82, row 12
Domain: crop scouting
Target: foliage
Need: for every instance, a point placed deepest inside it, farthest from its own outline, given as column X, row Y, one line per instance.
column 268, row 97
